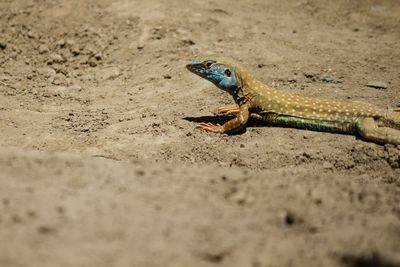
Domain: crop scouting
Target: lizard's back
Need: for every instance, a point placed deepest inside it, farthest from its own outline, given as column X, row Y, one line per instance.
column 285, row 103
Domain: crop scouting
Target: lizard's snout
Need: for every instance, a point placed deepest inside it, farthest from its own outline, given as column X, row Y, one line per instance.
column 192, row 68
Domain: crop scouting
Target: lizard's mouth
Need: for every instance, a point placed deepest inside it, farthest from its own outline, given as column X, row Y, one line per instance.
column 195, row 68
column 189, row 67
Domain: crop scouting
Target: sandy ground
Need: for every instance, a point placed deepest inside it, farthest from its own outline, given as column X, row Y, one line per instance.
column 100, row 164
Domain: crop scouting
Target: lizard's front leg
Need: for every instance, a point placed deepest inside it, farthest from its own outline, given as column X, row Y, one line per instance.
column 234, row 125
column 230, row 110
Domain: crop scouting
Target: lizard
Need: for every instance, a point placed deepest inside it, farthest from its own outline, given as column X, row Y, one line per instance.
column 253, row 98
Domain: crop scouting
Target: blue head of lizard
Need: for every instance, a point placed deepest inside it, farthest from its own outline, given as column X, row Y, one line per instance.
column 222, row 75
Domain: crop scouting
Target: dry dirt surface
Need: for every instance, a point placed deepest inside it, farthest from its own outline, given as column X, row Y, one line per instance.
column 100, row 164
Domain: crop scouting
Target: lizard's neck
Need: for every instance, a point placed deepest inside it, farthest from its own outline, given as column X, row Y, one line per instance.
column 244, row 93
column 251, row 90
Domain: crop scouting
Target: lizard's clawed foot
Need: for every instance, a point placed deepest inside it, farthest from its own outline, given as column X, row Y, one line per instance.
column 230, row 110
column 215, row 128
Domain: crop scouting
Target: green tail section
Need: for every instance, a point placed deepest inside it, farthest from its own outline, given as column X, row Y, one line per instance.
column 309, row 124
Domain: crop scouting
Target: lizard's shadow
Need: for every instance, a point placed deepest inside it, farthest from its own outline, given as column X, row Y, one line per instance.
column 221, row 119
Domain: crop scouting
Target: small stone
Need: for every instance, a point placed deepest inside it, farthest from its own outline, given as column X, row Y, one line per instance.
column 377, row 84
column 241, row 197
column 290, row 219
column 75, row 50
column 13, row 55
column 98, row 56
column 167, row 76
column 70, row 42
column 3, row 45
column 56, row 58
column 310, row 75
column 61, row 43
column 75, row 87
column 327, row 79
column 33, row 35
column 188, row 42
column 292, row 80
column 92, row 63
column 58, row 79
column 47, row 72
column 327, row 165
column 43, row 49
column 85, row 129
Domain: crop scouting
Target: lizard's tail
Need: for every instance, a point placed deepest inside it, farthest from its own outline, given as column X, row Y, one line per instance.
column 393, row 119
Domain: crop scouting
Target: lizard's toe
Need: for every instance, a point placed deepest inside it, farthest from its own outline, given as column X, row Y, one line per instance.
column 210, row 127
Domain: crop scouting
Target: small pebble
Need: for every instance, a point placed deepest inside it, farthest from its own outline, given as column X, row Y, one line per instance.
column 98, row 56
column 289, row 218
column 32, row 35
column 43, row 49
column 327, row 165
column 3, row 45
column 167, row 76
column 327, row 79
column 309, row 75
column 61, row 43
column 377, row 85
column 75, row 50
column 47, row 72
column 188, row 42
column 70, row 42
column 56, row 58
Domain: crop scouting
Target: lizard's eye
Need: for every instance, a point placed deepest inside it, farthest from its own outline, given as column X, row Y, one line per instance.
column 208, row 64
column 227, row 73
